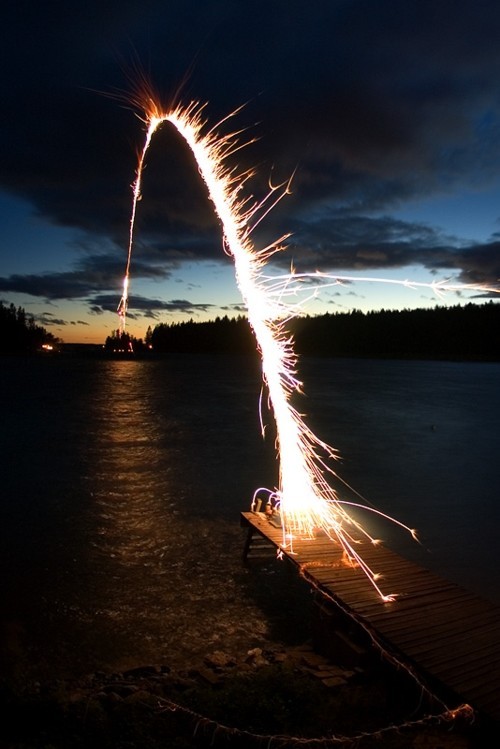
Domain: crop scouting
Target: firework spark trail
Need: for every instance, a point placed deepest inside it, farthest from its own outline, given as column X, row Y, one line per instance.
column 153, row 123
column 305, row 499
column 292, row 283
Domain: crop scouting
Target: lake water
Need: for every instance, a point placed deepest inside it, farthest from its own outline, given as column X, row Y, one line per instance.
column 122, row 484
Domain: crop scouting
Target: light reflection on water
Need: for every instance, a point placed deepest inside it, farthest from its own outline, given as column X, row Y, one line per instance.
column 123, row 482
column 137, row 558
column 133, row 510
column 155, row 585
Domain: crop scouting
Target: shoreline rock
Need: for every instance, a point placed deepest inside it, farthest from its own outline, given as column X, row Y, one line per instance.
column 154, row 705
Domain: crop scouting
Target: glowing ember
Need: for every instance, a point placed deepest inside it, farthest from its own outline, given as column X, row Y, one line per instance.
column 304, row 498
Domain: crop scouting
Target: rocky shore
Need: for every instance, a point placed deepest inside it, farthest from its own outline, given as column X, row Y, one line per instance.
column 275, row 696
column 239, row 663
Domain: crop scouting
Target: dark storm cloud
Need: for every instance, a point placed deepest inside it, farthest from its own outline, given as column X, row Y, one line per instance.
column 372, row 102
column 50, row 286
column 329, row 242
column 91, row 274
column 46, row 319
column 141, row 306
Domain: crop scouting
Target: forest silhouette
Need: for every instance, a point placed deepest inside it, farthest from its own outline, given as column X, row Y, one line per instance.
column 469, row 332
column 463, row 333
column 19, row 334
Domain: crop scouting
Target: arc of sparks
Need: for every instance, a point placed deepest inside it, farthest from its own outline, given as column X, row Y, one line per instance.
column 153, row 123
column 305, row 499
column 290, row 283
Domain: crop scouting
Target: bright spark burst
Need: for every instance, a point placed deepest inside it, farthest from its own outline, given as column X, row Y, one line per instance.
column 291, row 284
column 304, row 498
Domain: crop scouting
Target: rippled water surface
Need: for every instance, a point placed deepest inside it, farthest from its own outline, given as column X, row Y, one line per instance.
column 122, row 484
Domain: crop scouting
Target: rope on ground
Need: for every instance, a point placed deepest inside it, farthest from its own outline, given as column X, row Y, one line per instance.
column 208, row 726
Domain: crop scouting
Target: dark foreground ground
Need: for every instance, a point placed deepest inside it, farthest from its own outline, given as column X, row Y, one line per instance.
column 270, row 696
column 267, row 681
column 278, row 697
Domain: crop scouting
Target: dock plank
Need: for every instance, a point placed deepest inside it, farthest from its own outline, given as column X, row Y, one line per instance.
column 442, row 629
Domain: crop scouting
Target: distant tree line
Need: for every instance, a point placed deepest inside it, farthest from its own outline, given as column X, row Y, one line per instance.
column 120, row 342
column 469, row 332
column 223, row 335
column 19, row 334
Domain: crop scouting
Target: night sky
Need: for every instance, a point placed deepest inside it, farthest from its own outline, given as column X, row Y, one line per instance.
column 387, row 113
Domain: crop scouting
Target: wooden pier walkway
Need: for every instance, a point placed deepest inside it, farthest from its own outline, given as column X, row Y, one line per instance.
column 448, row 635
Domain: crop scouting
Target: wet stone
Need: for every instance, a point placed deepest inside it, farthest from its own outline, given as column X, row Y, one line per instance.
column 142, row 697
column 123, row 690
column 253, row 653
column 280, row 657
column 209, row 676
column 113, row 698
column 313, row 660
column 141, row 672
column 334, row 681
column 219, row 659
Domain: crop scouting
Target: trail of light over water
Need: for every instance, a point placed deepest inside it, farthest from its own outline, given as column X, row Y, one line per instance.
column 305, row 500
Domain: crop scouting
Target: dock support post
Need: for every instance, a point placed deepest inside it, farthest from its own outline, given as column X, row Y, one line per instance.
column 248, row 543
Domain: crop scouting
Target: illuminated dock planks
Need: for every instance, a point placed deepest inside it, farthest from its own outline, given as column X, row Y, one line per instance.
column 446, row 634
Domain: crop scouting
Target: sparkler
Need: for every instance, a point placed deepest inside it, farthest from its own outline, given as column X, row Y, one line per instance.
column 304, row 498
column 153, row 123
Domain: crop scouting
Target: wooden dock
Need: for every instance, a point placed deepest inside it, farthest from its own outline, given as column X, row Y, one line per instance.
column 448, row 635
